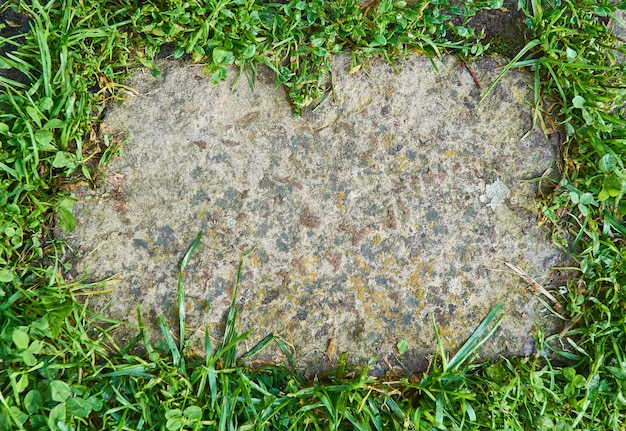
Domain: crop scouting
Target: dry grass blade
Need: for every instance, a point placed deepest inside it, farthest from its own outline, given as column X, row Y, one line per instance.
column 534, row 284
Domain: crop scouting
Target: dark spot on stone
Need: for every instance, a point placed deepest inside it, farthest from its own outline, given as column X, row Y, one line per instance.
column 315, row 286
column 266, row 182
column 334, row 259
column 140, row 243
column 196, row 173
column 358, row 329
column 461, row 251
column 309, row 219
column 393, row 150
column 279, row 199
column 440, row 230
column 281, row 245
column 301, row 315
column 166, row 237
column 198, row 198
column 452, row 272
column 231, row 193
column 229, row 142
column 390, row 222
column 373, row 338
column 384, row 110
column 271, row 296
column 219, row 285
column 248, row 118
column 136, row 293
column 451, row 309
column 367, row 252
column 432, row 215
column 300, row 141
column 469, row 104
column 216, row 157
column 230, row 199
column 200, row 144
column 415, row 252
column 375, row 210
column 357, row 235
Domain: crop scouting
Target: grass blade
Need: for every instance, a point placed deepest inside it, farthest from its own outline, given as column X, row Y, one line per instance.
column 230, row 333
column 477, row 339
column 257, row 348
column 181, row 291
column 530, row 45
column 169, row 340
column 440, row 349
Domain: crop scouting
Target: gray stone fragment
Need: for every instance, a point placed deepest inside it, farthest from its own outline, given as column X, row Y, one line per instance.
column 396, row 201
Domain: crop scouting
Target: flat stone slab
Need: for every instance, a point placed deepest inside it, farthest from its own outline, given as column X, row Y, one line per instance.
column 398, row 199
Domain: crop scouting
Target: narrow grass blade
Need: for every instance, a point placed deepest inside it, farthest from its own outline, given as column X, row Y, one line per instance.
column 395, row 409
column 530, row 45
column 439, row 410
column 253, row 384
column 471, row 413
column 146, row 341
column 609, row 219
column 374, row 414
column 478, row 338
column 130, row 370
column 191, row 250
column 440, row 349
column 169, row 339
column 11, row 412
column 208, row 351
column 181, row 292
column 257, row 348
column 46, row 61
column 212, row 376
column 291, row 361
column 229, row 398
column 228, row 352
column 230, row 333
column 358, row 425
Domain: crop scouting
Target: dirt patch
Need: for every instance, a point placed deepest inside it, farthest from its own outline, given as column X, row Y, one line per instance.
column 15, row 25
column 504, row 29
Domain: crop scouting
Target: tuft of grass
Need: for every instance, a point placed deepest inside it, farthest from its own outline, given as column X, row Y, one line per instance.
column 580, row 92
column 219, row 391
column 297, row 39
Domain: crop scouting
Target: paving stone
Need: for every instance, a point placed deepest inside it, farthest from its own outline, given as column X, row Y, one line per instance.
column 395, row 201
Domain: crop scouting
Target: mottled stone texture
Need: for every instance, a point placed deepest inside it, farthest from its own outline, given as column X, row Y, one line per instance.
column 619, row 31
column 397, row 200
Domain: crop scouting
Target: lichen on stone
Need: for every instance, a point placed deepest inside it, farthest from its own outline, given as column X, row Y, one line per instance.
column 495, row 194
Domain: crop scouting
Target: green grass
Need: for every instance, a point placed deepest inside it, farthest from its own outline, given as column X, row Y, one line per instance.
column 60, row 368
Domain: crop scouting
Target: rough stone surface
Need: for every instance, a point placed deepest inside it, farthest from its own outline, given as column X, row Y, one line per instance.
column 619, row 30
column 396, row 200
